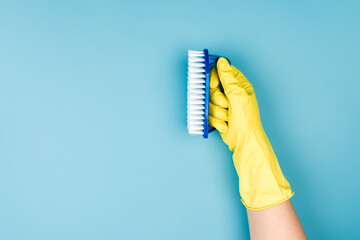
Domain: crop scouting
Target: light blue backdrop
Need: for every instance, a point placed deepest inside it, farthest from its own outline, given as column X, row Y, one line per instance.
column 93, row 139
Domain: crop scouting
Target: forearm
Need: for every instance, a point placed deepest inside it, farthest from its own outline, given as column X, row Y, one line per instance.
column 263, row 187
column 261, row 181
column 278, row 222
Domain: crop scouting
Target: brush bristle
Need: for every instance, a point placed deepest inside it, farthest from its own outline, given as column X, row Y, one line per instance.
column 196, row 92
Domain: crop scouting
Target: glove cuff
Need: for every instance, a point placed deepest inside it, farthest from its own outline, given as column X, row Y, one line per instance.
column 261, row 181
column 270, row 205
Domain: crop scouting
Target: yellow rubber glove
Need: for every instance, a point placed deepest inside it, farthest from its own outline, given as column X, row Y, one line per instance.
column 236, row 116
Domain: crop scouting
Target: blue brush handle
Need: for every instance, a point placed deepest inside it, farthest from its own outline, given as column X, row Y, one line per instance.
column 207, row 93
column 209, row 61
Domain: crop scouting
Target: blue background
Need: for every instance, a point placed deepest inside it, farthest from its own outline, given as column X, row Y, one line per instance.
column 93, row 138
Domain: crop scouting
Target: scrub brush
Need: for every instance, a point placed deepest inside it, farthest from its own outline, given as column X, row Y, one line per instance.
column 199, row 63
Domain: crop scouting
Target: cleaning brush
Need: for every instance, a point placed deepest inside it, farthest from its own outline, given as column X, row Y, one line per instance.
column 199, row 64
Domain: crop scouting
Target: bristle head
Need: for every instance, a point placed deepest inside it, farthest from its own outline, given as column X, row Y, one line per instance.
column 196, row 92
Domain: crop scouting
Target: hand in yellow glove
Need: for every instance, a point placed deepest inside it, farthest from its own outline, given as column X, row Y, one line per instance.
column 236, row 116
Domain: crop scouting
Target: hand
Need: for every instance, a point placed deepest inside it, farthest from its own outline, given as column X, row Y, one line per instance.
column 235, row 115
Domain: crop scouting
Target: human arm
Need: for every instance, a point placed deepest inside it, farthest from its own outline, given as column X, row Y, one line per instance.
column 275, row 223
column 264, row 190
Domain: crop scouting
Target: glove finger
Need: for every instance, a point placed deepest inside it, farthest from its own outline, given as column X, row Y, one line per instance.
column 231, row 77
column 225, row 73
column 216, row 96
column 218, row 112
column 214, row 79
column 220, row 125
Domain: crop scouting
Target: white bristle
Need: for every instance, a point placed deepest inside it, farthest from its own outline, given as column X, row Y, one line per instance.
column 196, row 80
column 196, row 132
column 196, row 59
column 198, row 106
column 196, row 96
column 195, row 111
column 196, row 85
column 196, row 92
column 196, row 75
column 196, row 70
column 195, row 53
column 192, row 116
column 196, row 102
column 197, row 128
column 197, row 64
column 198, row 122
